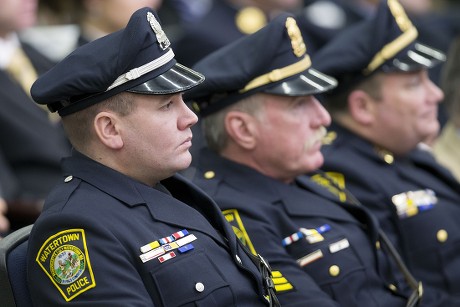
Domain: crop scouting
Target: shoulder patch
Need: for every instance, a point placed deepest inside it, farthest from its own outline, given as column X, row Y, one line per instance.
column 64, row 259
column 334, row 182
column 233, row 217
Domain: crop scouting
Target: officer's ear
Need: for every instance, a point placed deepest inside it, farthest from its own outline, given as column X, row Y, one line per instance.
column 106, row 126
column 361, row 107
column 241, row 128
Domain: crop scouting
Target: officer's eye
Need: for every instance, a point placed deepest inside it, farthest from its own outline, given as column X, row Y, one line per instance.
column 168, row 105
column 414, row 80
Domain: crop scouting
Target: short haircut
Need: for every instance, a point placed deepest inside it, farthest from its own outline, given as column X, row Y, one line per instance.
column 337, row 103
column 78, row 125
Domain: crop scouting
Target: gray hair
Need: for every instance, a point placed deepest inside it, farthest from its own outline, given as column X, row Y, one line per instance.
column 214, row 124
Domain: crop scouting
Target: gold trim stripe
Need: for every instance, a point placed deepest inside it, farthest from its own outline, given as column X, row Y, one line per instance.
column 278, row 74
column 388, row 51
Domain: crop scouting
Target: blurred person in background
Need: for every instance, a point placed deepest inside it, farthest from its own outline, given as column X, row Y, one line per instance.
column 384, row 107
column 101, row 17
column 32, row 142
column 446, row 147
column 226, row 21
column 94, row 18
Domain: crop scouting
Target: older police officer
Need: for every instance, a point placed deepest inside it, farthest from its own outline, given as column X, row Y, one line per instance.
column 121, row 230
column 384, row 107
column 264, row 128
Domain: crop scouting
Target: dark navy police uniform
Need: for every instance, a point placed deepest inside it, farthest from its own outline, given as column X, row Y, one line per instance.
column 415, row 199
column 104, row 218
column 308, row 234
column 105, row 239
column 340, row 255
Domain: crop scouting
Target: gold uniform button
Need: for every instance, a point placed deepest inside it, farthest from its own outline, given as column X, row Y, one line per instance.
column 388, row 158
column 334, row 270
column 377, row 245
column 250, row 19
column 392, row 287
column 68, row 178
column 442, row 236
column 209, row 175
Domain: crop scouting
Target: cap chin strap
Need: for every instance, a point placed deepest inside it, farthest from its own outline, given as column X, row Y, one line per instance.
column 142, row 70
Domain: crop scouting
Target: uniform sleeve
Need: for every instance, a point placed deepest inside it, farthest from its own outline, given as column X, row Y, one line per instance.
column 74, row 261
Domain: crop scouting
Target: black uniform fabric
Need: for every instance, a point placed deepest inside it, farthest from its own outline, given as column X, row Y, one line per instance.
column 349, row 268
column 104, row 217
column 424, row 224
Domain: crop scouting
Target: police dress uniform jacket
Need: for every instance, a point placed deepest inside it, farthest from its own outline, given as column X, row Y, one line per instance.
column 415, row 199
column 85, row 248
column 338, row 248
column 30, row 144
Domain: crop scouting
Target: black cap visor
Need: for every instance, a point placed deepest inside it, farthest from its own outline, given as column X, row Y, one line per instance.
column 419, row 57
column 177, row 79
column 310, row 82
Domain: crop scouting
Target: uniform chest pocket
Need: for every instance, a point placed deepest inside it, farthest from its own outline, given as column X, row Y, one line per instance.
column 328, row 261
column 193, row 280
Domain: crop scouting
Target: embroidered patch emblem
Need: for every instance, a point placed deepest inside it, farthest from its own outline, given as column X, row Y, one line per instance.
column 334, row 182
column 64, row 258
column 233, row 217
column 280, row 282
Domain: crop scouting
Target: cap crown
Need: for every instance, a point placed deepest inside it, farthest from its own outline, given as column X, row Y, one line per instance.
column 107, row 66
column 387, row 42
column 260, row 62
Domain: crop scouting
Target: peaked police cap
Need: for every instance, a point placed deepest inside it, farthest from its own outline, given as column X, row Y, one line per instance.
column 136, row 59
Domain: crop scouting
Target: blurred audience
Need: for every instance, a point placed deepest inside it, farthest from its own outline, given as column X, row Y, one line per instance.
column 447, row 146
column 226, row 21
column 101, row 17
column 31, row 141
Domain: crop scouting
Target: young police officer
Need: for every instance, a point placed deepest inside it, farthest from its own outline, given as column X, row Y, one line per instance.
column 121, row 229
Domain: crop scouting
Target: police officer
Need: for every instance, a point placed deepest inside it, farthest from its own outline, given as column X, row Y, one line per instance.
column 384, row 108
column 264, row 129
column 121, row 229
